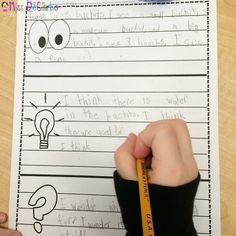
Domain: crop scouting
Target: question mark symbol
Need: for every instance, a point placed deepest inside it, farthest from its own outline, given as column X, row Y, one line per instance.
column 43, row 201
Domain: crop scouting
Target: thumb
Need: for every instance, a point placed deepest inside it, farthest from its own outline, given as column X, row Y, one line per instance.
column 125, row 160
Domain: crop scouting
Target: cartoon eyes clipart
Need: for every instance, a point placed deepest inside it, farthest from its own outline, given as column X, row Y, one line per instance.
column 58, row 35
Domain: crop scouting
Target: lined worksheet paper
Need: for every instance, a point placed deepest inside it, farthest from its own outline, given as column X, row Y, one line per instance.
column 87, row 75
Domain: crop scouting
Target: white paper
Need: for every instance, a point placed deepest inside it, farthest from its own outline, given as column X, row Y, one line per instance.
column 88, row 75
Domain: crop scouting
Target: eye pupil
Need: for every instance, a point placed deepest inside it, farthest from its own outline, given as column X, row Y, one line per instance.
column 42, row 42
column 58, row 39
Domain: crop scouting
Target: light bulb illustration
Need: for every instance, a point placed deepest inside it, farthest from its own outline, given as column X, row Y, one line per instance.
column 44, row 123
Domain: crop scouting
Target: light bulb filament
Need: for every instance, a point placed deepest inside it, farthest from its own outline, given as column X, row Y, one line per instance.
column 44, row 123
column 44, row 127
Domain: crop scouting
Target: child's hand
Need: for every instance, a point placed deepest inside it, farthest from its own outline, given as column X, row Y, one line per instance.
column 166, row 145
column 7, row 232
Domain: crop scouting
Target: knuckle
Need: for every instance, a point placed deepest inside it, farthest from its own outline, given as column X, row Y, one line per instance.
column 180, row 123
column 150, row 127
column 164, row 129
column 161, row 126
column 118, row 152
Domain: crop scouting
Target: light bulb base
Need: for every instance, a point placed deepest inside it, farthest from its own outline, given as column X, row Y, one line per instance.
column 43, row 144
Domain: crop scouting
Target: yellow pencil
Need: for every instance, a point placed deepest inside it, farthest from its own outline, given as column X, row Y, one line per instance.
column 146, row 212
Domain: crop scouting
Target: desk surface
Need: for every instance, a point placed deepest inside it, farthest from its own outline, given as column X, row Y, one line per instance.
column 227, row 111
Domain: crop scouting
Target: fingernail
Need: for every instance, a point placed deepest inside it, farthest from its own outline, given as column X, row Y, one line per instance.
column 131, row 141
column 3, row 217
column 129, row 138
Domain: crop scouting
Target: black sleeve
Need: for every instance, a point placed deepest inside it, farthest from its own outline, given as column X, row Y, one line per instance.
column 172, row 207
